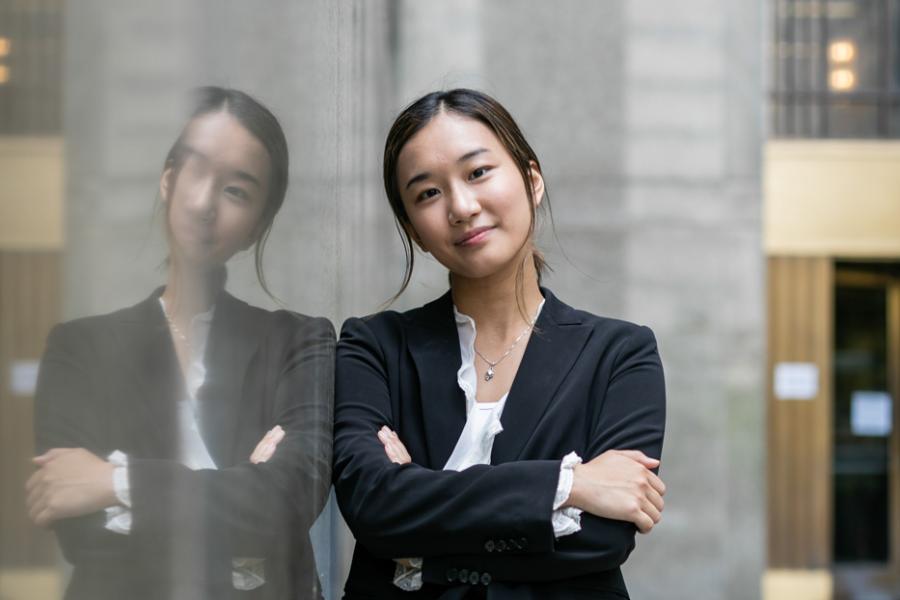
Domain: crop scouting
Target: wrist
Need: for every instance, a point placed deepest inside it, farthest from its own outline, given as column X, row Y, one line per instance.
column 575, row 492
column 108, row 486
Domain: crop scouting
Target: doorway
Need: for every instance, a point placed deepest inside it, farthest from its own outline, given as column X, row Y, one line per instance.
column 866, row 440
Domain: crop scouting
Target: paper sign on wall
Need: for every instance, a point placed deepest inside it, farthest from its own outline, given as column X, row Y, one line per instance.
column 23, row 377
column 870, row 413
column 796, row 381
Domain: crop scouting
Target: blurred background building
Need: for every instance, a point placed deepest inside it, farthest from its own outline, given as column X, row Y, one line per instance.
column 720, row 170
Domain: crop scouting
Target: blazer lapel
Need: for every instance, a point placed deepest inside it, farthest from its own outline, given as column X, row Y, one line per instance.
column 234, row 338
column 148, row 355
column 555, row 344
column 434, row 347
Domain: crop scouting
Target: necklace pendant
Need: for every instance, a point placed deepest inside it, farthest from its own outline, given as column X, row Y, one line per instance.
column 489, row 374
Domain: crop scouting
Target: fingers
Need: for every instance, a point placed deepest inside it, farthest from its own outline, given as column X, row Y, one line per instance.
column 37, row 503
column 49, row 455
column 277, row 434
column 265, row 449
column 657, row 483
column 637, row 455
column 393, row 447
column 651, row 511
column 655, row 498
column 34, row 492
column 34, row 480
column 644, row 523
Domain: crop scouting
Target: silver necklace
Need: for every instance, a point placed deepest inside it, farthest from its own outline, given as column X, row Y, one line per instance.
column 489, row 374
column 173, row 326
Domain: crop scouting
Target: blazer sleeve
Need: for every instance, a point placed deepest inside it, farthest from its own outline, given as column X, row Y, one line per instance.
column 631, row 401
column 409, row 510
column 67, row 402
column 249, row 507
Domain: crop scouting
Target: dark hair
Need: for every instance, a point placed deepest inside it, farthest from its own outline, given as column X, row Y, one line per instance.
column 474, row 105
column 263, row 125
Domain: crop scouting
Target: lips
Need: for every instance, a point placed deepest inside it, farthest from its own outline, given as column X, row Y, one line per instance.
column 473, row 236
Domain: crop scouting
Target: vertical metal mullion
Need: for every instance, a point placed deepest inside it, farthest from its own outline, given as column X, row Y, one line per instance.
column 808, row 75
column 884, row 64
column 5, row 19
column 776, row 115
column 893, row 335
column 791, row 62
column 823, row 94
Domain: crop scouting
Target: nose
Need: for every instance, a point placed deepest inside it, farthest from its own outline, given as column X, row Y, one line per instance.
column 464, row 205
column 203, row 201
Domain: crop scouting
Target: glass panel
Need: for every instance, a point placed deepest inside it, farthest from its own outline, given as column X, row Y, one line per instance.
column 894, row 122
column 841, row 53
column 31, row 44
column 853, row 49
column 860, row 455
column 894, row 41
column 846, row 120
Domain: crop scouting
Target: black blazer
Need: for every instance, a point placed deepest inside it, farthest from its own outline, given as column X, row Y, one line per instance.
column 110, row 383
column 585, row 383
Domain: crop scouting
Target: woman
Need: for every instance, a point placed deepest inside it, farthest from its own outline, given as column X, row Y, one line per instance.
column 495, row 442
column 186, row 440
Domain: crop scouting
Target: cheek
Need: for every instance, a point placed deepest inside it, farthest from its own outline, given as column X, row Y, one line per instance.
column 427, row 223
column 240, row 224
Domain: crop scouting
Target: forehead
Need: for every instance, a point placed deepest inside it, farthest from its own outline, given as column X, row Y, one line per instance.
column 226, row 143
column 444, row 139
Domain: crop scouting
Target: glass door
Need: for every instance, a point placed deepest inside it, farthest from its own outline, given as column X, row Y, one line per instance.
column 865, row 458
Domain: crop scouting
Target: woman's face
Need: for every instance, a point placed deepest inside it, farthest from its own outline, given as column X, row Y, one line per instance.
column 216, row 199
column 465, row 198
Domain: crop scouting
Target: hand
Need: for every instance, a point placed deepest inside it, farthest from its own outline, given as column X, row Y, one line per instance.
column 265, row 449
column 69, row 482
column 619, row 485
column 393, row 447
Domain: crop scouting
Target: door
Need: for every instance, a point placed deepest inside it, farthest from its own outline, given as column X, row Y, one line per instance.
column 866, row 441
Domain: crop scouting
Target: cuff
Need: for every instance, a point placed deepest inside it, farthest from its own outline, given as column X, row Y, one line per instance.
column 566, row 521
column 408, row 574
column 118, row 517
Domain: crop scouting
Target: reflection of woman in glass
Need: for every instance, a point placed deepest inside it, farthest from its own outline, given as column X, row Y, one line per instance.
column 186, row 440
column 460, row 426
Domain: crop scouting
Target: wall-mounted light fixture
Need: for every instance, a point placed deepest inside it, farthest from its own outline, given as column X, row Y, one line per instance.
column 841, row 51
column 841, row 59
column 842, row 80
column 5, row 48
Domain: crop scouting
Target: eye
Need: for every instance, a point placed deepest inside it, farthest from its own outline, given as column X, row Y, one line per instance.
column 237, row 193
column 429, row 193
column 478, row 173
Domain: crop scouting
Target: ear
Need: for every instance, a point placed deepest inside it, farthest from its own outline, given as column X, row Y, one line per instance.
column 411, row 231
column 537, row 184
column 166, row 184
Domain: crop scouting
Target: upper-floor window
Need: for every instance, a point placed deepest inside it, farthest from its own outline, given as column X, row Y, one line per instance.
column 836, row 69
column 31, row 52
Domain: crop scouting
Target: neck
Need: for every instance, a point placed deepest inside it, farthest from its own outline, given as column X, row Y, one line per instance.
column 190, row 292
column 494, row 302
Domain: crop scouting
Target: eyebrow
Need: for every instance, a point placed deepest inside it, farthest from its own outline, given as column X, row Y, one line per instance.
column 422, row 176
column 242, row 175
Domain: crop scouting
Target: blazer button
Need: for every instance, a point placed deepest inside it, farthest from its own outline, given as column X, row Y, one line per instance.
column 489, row 545
column 485, row 579
column 501, row 545
column 463, row 575
column 451, row 574
column 473, row 577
